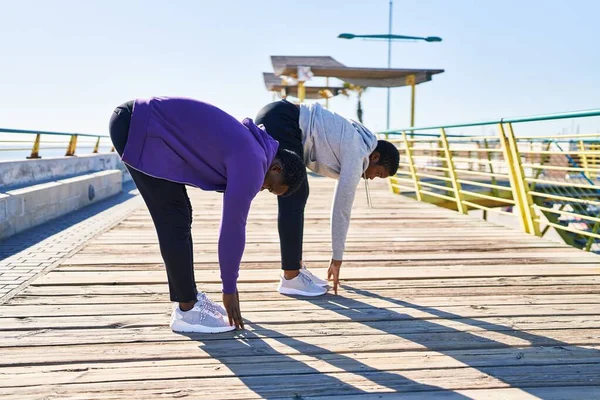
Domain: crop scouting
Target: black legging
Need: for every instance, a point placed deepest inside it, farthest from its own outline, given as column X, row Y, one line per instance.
column 171, row 212
column 281, row 122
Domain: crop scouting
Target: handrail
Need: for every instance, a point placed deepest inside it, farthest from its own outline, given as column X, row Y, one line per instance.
column 23, row 131
column 541, row 138
column 544, row 117
column 554, row 175
column 35, row 149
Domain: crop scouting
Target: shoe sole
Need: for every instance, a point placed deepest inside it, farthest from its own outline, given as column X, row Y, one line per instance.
column 182, row 327
column 296, row 292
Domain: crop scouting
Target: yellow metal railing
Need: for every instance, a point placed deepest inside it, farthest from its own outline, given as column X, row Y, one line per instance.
column 543, row 181
column 16, row 143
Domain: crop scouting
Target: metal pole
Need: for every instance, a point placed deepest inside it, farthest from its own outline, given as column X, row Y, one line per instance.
column 327, row 98
column 369, row 203
column 35, row 151
column 389, row 64
column 412, row 103
column 301, row 91
column 72, row 146
column 411, row 80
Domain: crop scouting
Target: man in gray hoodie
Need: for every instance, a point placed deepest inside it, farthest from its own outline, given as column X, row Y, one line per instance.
column 331, row 146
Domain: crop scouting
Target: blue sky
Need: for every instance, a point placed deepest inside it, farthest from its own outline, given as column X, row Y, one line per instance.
column 66, row 64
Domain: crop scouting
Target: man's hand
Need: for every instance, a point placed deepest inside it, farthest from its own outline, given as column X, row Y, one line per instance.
column 334, row 272
column 232, row 306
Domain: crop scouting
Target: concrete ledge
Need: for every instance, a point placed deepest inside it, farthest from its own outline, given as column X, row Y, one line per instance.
column 21, row 209
column 29, row 172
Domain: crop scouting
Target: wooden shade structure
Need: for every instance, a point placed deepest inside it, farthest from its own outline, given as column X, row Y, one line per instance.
column 328, row 67
column 274, row 84
column 325, row 66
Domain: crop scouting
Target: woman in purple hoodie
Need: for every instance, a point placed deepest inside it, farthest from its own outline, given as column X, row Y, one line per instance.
column 168, row 143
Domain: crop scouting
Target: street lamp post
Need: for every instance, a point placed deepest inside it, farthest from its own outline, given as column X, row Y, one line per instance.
column 389, row 65
column 389, row 37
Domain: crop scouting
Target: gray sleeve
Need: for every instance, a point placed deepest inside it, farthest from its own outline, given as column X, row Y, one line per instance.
column 343, row 198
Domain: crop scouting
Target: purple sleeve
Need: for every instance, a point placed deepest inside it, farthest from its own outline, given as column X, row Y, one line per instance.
column 244, row 180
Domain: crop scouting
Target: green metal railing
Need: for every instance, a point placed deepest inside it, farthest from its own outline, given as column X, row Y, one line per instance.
column 546, row 181
column 535, row 118
column 44, row 140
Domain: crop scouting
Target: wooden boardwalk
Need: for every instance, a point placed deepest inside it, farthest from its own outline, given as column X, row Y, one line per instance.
column 434, row 305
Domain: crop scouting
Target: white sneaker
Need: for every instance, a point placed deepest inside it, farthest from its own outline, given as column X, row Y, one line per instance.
column 301, row 285
column 200, row 319
column 313, row 277
column 203, row 298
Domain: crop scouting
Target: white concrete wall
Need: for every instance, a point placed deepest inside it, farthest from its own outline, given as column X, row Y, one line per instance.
column 24, row 208
column 27, row 172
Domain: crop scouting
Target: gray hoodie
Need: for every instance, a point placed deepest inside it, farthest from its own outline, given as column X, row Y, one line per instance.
column 337, row 148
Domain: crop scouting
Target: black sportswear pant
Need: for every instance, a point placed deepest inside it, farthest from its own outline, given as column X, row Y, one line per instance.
column 281, row 122
column 171, row 212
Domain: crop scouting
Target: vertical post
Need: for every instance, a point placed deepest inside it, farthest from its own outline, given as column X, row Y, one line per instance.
column 528, row 199
column 584, row 159
column 491, row 166
column 35, row 151
column 97, row 146
column 523, row 199
column 301, row 91
column 392, row 179
column 595, row 160
column 441, row 154
column 591, row 239
column 453, row 176
column 391, row 182
column 538, row 171
column 411, row 80
column 72, row 146
column 327, row 98
column 412, row 103
column 508, row 158
column 411, row 166
column 368, row 193
column 389, row 63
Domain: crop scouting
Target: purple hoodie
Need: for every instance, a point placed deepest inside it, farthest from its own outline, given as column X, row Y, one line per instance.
column 194, row 143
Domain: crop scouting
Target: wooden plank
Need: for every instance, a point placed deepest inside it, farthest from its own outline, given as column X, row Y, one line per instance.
column 272, row 299
column 293, row 364
column 365, row 253
column 274, row 265
column 410, row 359
column 356, row 302
column 155, row 317
column 157, row 332
column 322, row 246
column 157, row 293
column 491, row 285
column 199, row 257
column 349, row 274
column 250, row 344
column 145, row 238
column 325, row 384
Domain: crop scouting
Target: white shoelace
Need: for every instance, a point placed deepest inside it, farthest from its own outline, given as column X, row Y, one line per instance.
column 208, row 303
column 205, row 309
column 307, row 272
column 306, row 279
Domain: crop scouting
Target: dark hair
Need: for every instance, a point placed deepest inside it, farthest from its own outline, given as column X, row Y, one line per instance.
column 294, row 171
column 388, row 156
